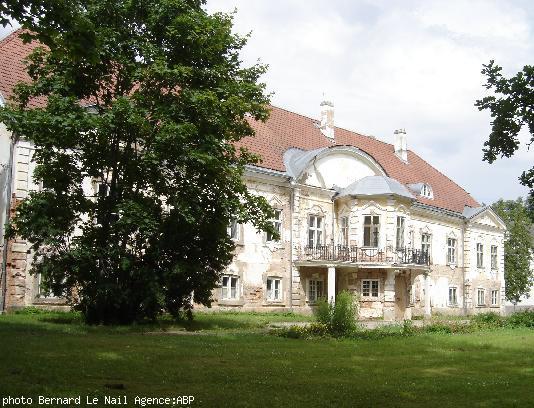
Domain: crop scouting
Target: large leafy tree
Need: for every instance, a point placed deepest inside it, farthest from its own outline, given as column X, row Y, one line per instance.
column 512, row 108
column 135, row 149
column 518, row 248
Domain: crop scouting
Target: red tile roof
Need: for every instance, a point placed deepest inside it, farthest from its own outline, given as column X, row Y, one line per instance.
column 12, row 68
column 286, row 129
column 283, row 130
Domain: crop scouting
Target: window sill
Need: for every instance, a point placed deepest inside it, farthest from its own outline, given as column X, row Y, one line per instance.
column 231, row 302
column 481, row 306
column 370, row 299
column 455, row 305
column 277, row 303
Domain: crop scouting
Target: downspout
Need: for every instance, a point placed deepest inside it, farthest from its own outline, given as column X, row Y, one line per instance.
column 3, row 271
column 291, row 209
column 464, row 303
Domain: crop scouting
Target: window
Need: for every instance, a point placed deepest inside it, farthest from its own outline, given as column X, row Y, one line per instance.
column 315, row 290
column 425, row 243
column 411, row 239
column 315, row 230
column 481, row 297
column 344, row 230
column 453, row 296
column 277, row 224
column 370, row 288
column 233, row 230
column 426, row 191
column 229, row 287
column 494, row 257
column 371, row 230
column 451, row 251
column 274, row 289
column 494, row 297
column 400, row 232
column 480, row 256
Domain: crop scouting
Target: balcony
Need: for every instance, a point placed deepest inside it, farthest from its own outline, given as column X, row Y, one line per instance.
column 355, row 254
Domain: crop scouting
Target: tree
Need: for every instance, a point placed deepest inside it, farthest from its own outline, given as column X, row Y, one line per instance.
column 518, row 248
column 511, row 107
column 144, row 103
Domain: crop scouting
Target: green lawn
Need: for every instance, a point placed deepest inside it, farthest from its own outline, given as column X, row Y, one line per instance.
column 230, row 361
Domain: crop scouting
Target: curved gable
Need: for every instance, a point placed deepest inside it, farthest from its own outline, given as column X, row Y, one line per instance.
column 337, row 166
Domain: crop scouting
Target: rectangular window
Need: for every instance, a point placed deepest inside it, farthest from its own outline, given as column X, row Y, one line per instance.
column 480, row 256
column 229, row 287
column 371, row 230
column 315, row 231
column 370, row 288
column 315, row 290
column 451, row 251
column 344, row 230
column 425, row 243
column 453, row 296
column 411, row 239
column 494, row 297
column 233, row 230
column 277, row 224
column 400, row 232
column 494, row 257
column 481, row 297
column 274, row 289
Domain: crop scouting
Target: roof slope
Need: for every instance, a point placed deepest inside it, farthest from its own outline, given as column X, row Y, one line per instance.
column 283, row 130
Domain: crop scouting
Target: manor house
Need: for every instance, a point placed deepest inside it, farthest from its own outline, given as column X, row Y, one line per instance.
column 353, row 212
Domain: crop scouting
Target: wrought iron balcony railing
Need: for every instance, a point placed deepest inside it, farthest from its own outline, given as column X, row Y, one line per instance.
column 353, row 253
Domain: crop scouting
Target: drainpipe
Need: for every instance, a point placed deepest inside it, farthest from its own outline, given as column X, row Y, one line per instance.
column 464, row 303
column 3, row 271
column 291, row 210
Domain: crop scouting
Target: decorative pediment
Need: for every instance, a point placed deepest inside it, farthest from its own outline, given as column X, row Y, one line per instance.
column 372, row 207
column 488, row 218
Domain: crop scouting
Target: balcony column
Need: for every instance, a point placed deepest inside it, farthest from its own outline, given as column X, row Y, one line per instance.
column 389, row 295
column 331, row 284
column 427, row 296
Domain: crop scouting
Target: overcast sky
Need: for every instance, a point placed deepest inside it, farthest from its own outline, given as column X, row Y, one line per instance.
column 396, row 64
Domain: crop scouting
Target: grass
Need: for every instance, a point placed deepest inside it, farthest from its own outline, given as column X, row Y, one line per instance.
column 228, row 359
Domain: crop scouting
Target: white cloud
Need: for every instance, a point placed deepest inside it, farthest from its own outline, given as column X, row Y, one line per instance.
column 386, row 65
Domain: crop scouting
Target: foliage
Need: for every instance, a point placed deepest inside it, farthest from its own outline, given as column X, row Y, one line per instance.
column 511, row 109
column 518, row 248
column 144, row 106
column 521, row 319
column 339, row 317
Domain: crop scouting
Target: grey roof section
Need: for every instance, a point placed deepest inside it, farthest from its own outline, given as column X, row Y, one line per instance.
column 296, row 160
column 376, row 186
column 470, row 212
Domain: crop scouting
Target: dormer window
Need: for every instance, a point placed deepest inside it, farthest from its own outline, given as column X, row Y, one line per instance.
column 426, row 191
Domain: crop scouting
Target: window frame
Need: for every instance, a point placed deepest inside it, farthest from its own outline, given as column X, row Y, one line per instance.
column 373, row 231
column 426, row 243
column 451, row 250
column 317, row 293
column 344, row 230
column 496, row 298
column 315, row 233
column 277, row 224
column 271, row 297
column 237, row 237
column 494, row 257
column 483, row 292
column 480, row 255
column 454, row 300
column 228, row 287
column 400, row 230
column 370, row 288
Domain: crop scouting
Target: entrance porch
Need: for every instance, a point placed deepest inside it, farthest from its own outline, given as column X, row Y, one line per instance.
column 383, row 293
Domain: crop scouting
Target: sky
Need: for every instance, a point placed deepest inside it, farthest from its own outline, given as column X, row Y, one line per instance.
column 396, row 64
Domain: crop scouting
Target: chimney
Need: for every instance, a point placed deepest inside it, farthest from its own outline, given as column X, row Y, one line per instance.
column 327, row 119
column 401, row 150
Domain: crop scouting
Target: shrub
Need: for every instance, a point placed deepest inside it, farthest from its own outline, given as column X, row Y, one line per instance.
column 344, row 314
column 521, row 319
column 487, row 320
column 323, row 311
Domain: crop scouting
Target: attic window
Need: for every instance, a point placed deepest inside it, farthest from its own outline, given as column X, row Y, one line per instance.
column 426, row 191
